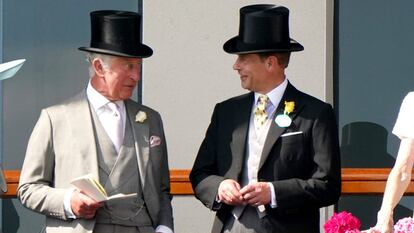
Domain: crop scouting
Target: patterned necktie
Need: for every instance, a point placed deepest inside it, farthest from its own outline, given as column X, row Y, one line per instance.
column 260, row 114
column 116, row 132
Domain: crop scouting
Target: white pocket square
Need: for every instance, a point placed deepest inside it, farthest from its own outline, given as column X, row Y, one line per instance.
column 155, row 141
column 291, row 133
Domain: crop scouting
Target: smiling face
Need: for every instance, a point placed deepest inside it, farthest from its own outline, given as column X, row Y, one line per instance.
column 259, row 74
column 118, row 80
column 251, row 70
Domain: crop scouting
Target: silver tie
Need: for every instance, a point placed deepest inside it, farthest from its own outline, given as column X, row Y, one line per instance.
column 116, row 131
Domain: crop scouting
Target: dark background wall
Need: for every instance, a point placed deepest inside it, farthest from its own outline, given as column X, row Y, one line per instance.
column 374, row 70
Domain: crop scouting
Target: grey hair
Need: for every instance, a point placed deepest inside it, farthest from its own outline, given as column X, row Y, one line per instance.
column 105, row 60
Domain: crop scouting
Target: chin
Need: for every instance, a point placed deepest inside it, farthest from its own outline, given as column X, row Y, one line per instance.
column 247, row 87
column 125, row 97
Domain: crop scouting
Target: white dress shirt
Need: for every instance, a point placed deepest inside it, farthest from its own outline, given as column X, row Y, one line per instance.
column 275, row 96
column 105, row 113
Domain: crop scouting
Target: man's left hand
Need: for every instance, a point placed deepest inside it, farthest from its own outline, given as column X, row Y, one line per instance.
column 256, row 194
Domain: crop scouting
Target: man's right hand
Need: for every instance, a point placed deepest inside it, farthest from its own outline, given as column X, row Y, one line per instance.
column 83, row 206
column 229, row 192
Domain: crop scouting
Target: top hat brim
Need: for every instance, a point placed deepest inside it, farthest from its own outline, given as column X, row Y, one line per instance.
column 236, row 46
column 140, row 51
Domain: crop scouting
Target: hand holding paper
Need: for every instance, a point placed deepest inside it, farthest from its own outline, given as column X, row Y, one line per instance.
column 82, row 206
column 91, row 187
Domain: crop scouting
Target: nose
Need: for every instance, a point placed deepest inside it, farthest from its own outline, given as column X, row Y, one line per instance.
column 236, row 65
column 135, row 73
column 136, row 76
column 135, row 69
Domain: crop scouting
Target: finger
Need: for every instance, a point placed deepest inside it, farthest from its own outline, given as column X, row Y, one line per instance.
column 248, row 197
column 87, row 198
column 225, row 186
column 96, row 205
column 249, row 193
column 89, row 213
column 85, row 210
column 247, row 189
column 254, row 201
column 229, row 192
column 224, row 193
column 236, row 186
column 89, row 216
column 234, row 193
column 90, row 202
column 234, row 197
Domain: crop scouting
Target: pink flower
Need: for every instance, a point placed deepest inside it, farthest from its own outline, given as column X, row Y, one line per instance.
column 404, row 225
column 343, row 222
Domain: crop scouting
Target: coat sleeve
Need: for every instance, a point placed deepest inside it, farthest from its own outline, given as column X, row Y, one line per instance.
column 36, row 189
column 204, row 174
column 165, row 211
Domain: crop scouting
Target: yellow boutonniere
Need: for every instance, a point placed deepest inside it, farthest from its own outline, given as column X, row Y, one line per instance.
column 289, row 107
column 283, row 120
column 140, row 117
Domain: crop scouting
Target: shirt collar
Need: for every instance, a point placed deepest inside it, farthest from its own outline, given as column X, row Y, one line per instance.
column 98, row 101
column 274, row 95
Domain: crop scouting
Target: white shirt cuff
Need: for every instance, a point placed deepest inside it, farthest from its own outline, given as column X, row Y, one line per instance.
column 163, row 229
column 273, row 202
column 66, row 204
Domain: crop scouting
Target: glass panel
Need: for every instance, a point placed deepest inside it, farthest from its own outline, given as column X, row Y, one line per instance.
column 374, row 73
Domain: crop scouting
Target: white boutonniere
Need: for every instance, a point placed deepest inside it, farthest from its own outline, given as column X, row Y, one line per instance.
column 284, row 120
column 140, row 117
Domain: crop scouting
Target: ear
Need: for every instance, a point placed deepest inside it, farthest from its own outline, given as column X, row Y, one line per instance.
column 98, row 67
column 271, row 62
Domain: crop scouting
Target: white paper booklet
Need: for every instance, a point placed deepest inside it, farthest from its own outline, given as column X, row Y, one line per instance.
column 89, row 185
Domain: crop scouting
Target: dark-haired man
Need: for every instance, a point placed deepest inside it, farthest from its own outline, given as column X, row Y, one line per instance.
column 270, row 158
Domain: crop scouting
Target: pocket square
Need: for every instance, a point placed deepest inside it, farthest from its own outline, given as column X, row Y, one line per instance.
column 291, row 133
column 155, row 141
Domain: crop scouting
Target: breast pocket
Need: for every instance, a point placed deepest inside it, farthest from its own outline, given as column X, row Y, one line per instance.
column 292, row 137
column 292, row 147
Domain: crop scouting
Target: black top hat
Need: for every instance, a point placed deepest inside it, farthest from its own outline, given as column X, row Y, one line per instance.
column 117, row 33
column 263, row 28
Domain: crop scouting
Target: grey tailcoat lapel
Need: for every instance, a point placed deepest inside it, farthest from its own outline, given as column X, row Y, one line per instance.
column 79, row 118
column 239, row 136
column 291, row 94
column 140, row 132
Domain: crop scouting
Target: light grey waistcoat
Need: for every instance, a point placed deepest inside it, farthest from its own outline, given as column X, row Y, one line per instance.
column 119, row 174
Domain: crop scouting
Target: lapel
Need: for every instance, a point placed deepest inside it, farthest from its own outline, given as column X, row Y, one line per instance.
column 239, row 135
column 291, row 94
column 140, row 132
column 79, row 119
